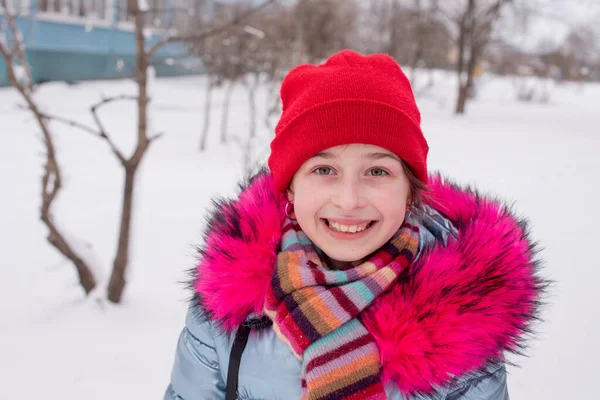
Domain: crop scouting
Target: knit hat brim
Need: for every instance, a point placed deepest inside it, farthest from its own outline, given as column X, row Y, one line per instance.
column 301, row 133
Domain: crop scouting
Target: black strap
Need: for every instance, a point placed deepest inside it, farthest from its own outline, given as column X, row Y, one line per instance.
column 235, row 358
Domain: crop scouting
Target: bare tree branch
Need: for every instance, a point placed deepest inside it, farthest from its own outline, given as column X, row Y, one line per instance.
column 213, row 31
column 52, row 178
column 111, row 99
column 71, row 123
column 19, row 51
column 156, row 136
column 102, row 131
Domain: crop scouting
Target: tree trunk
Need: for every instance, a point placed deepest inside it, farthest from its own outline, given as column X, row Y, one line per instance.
column 55, row 238
column 117, row 279
column 465, row 25
column 417, row 57
column 252, row 87
column 86, row 278
column 207, row 107
column 419, row 43
column 225, row 112
column 462, row 100
column 273, row 99
column 393, row 39
column 52, row 178
column 252, row 102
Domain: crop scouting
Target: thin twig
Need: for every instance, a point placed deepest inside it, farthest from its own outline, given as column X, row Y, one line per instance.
column 156, row 136
column 102, row 131
column 201, row 36
column 105, row 136
column 106, row 100
column 71, row 123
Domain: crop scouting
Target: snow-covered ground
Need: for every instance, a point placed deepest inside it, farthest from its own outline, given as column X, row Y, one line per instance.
column 55, row 343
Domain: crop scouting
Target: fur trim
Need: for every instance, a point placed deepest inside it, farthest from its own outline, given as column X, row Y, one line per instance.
column 453, row 315
column 461, row 306
column 238, row 258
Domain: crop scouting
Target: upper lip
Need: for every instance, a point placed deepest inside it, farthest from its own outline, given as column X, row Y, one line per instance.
column 349, row 221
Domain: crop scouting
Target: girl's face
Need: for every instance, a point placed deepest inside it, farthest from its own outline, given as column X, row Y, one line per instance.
column 350, row 200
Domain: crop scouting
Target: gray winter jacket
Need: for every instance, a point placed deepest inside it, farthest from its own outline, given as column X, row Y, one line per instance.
column 468, row 299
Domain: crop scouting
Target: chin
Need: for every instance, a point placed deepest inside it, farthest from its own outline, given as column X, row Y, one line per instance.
column 346, row 256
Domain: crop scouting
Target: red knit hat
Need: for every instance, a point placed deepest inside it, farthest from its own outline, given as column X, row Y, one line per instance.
column 350, row 98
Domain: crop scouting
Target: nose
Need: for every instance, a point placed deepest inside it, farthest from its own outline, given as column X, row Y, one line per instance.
column 348, row 195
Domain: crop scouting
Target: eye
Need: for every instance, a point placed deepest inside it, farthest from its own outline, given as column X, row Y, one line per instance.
column 378, row 172
column 323, row 171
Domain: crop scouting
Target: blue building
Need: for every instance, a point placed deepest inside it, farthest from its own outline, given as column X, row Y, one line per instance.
column 73, row 40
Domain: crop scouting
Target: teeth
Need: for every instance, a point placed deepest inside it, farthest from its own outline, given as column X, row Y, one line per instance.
column 347, row 228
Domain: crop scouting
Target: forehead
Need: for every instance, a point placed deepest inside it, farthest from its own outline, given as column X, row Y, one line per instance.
column 357, row 150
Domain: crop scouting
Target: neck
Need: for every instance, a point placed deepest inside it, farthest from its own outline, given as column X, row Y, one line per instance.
column 341, row 265
column 335, row 264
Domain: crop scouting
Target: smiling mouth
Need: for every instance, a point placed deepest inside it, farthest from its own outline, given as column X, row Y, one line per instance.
column 337, row 227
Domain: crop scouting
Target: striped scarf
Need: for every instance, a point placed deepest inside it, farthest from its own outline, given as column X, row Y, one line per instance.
column 315, row 311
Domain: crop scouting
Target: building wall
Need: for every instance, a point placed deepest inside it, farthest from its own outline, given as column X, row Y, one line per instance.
column 64, row 47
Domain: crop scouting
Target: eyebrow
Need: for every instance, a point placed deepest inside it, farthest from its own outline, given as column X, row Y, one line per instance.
column 373, row 156
column 379, row 156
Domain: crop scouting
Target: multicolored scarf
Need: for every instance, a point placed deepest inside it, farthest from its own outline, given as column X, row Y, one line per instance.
column 315, row 311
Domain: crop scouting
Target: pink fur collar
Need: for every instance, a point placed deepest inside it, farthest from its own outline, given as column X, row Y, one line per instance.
column 461, row 307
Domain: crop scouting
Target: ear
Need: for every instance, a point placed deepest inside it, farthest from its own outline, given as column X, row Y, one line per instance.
column 290, row 194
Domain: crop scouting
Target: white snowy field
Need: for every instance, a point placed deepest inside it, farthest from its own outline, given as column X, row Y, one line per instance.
column 57, row 344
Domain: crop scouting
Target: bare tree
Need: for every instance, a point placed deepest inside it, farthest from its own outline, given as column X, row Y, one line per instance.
column 210, row 85
column 15, row 59
column 325, row 26
column 473, row 22
column 19, row 75
column 267, row 49
column 243, row 54
column 143, row 61
column 224, row 64
column 411, row 31
column 430, row 38
column 581, row 50
column 130, row 165
column 282, row 49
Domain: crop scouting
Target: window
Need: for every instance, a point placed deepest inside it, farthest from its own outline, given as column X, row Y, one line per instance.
column 97, row 8
column 157, row 14
column 75, row 8
column 124, row 13
column 17, row 7
column 187, row 14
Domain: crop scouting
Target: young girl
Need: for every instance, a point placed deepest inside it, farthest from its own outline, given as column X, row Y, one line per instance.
column 346, row 271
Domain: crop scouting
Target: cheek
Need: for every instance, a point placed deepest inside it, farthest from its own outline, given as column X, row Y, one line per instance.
column 390, row 198
column 392, row 203
column 393, row 213
column 307, row 204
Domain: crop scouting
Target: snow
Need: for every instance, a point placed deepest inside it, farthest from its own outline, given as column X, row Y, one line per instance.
column 550, row 22
column 147, row 33
column 254, row 31
column 20, row 73
column 58, row 344
column 143, row 5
